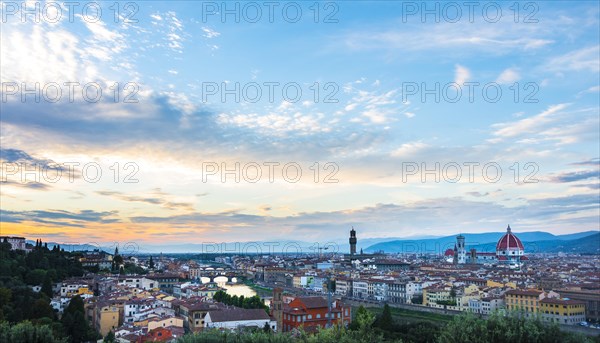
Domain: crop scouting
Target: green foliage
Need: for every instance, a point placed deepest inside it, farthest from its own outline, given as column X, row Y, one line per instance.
column 132, row 268
column 385, row 321
column 47, row 285
column 417, row 299
column 463, row 328
column 110, row 337
column 243, row 302
column 446, row 302
column 35, row 277
column 335, row 334
column 26, row 332
column 37, row 321
column 75, row 326
column 500, row 329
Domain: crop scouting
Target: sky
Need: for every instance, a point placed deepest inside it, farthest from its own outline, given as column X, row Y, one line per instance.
column 190, row 122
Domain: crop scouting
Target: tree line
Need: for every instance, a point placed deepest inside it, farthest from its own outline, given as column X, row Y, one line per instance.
column 25, row 314
column 241, row 301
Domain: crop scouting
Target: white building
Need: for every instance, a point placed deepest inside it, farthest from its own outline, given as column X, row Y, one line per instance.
column 139, row 282
column 360, row 289
column 343, row 287
column 16, row 243
column 69, row 289
column 413, row 288
column 238, row 318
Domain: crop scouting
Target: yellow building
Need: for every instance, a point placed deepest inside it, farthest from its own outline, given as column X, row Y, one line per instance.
column 154, row 323
column 562, row 311
column 492, row 283
column 107, row 318
column 432, row 295
column 526, row 301
column 84, row 290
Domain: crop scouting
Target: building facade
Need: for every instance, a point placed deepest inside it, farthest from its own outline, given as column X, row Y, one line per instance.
column 312, row 313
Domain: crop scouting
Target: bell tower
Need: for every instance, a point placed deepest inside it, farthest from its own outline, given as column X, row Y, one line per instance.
column 352, row 241
column 461, row 249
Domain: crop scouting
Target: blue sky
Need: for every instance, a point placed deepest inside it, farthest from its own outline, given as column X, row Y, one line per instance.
column 374, row 128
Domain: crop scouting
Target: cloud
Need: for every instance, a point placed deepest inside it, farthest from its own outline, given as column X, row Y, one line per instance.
column 584, row 59
column 18, row 168
column 461, row 74
column 276, row 124
column 478, row 194
column 508, row 76
column 434, row 216
column 30, row 185
column 59, row 217
column 210, row 33
column 409, row 149
column 575, row 176
column 528, row 125
column 159, row 198
column 450, row 37
column 594, row 162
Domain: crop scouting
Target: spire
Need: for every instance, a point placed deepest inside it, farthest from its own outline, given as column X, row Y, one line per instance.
column 508, row 229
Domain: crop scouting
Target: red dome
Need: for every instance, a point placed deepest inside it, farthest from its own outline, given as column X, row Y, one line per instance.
column 449, row 252
column 509, row 242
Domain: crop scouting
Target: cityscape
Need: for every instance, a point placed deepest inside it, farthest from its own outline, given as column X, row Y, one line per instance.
column 299, row 171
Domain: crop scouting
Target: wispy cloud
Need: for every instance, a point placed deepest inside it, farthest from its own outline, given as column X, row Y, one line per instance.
column 508, row 76
column 584, row 59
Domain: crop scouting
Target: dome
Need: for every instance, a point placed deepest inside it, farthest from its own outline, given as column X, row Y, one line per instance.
column 449, row 252
column 509, row 242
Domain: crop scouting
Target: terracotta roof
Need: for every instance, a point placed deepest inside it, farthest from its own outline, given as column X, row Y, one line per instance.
column 313, row 302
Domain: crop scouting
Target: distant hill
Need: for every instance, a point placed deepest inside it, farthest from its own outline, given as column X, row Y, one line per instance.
column 536, row 241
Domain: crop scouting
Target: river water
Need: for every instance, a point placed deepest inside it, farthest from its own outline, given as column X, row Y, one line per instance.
column 237, row 289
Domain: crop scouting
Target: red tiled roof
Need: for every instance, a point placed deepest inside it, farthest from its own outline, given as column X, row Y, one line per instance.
column 313, row 302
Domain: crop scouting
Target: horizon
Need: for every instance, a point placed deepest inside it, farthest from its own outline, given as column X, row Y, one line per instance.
column 236, row 247
column 199, row 127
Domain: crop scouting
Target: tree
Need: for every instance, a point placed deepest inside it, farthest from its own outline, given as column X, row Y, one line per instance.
column 35, row 277
column 27, row 332
column 385, row 321
column 151, row 263
column 47, row 286
column 73, row 320
column 453, row 293
column 417, row 299
column 363, row 320
column 110, row 337
column 266, row 327
column 42, row 309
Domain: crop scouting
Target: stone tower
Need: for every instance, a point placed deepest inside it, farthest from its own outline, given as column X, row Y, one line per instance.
column 461, row 252
column 277, row 307
column 352, row 241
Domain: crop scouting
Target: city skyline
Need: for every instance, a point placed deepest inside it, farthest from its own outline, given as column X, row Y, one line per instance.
column 366, row 115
